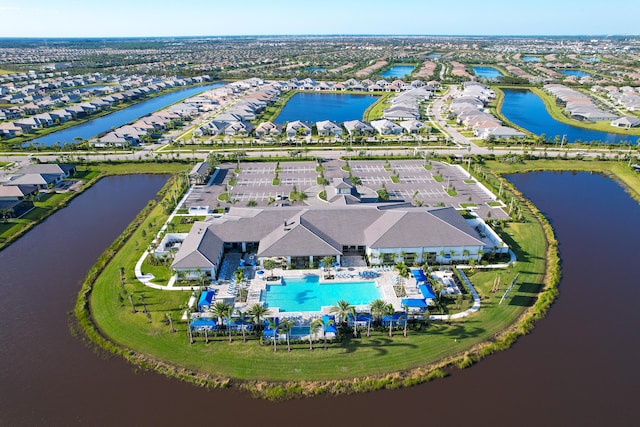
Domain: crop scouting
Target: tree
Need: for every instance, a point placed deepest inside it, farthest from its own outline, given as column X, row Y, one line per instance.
column 377, row 307
column 270, row 264
column 238, row 275
column 220, row 309
column 342, row 310
column 325, row 326
column 285, row 326
column 273, row 325
column 313, row 328
column 389, row 311
column 327, row 261
column 170, row 320
column 187, row 313
column 242, row 318
column 406, row 320
column 383, row 194
column 258, row 312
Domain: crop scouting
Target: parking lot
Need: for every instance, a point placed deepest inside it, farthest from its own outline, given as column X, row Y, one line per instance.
column 430, row 185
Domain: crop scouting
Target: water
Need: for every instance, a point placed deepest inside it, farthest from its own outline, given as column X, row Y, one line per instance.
column 434, row 55
column 314, row 107
column 577, row 367
column 398, row 72
column 306, row 294
column 531, row 58
column 316, row 69
column 576, row 73
column 527, row 110
column 487, row 72
column 119, row 118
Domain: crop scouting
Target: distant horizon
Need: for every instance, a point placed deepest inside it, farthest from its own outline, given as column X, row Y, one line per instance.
column 43, row 19
column 505, row 36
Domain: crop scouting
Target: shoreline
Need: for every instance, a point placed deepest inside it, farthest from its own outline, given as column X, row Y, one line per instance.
column 276, row 390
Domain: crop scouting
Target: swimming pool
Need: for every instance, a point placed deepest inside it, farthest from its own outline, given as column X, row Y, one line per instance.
column 307, row 294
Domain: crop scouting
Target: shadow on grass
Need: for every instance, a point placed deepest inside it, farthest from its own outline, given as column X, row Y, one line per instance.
column 379, row 344
column 522, row 301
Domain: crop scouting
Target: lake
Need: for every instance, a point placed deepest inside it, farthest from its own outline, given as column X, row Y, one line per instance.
column 314, row 107
column 577, row 367
column 122, row 117
column 398, row 72
column 531, row 58
column 486, row 72
column 527, row 110
column 577, row 73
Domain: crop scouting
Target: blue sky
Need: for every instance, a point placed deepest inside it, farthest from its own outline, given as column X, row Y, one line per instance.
column 132, row 18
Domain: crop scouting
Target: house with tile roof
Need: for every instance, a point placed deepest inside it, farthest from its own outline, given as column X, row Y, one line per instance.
column 304, row 235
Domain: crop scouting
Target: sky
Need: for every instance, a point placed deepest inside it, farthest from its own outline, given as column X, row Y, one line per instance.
column 150, row 18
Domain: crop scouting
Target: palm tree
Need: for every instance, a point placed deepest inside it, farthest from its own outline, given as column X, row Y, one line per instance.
column 242, row 317
column 187, row 313
column 220, row 309
column 313, row 328
column 170, row 319
column 258, row 312
column 406, row 320
column 285, row 326
column 342, row 310
column 325, row 326
column 389, row 311
column 273, row 325
column 377, row 307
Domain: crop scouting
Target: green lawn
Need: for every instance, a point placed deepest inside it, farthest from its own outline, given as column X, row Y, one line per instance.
column 360, row 357
column 374, row 357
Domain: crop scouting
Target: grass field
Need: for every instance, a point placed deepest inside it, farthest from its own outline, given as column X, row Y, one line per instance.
column 360, row 357
column 363, row 358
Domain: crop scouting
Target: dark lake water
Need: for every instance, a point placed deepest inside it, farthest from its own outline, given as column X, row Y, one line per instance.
column 398, row 71
column 119, row 118
column 577, row 368
column 527, row 110
column 486, row 72
column 314, row 107
column 577, row 73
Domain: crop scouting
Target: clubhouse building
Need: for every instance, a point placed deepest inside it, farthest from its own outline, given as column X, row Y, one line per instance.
column 300, row 236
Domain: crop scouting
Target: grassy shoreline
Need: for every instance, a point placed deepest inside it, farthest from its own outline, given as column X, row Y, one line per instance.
column 353, row 366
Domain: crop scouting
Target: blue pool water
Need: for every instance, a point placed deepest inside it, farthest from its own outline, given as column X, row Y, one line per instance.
column 307, row 294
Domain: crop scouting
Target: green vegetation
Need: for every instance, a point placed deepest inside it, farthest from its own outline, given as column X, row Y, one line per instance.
column 376, row 109
column 352, row 364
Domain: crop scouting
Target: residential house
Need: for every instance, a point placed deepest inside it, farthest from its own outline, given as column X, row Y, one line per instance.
column 386, row 127
column 328, row 128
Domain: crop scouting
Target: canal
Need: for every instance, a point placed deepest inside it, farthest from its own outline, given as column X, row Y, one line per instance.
column 577, row 367
column 122, row 117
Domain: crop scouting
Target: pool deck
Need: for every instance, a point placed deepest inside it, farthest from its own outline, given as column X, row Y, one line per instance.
column 385, row 281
